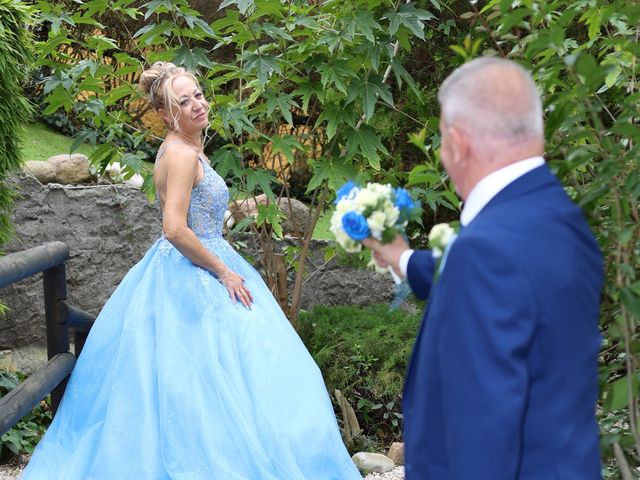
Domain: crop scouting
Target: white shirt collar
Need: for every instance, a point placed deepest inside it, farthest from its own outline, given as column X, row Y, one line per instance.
column 492, row 184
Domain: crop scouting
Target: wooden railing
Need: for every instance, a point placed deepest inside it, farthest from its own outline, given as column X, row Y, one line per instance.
column 61, row 317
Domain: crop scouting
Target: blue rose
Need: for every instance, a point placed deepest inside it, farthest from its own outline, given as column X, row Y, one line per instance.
column 355, row 225
column 404, row 202
column 344, row 190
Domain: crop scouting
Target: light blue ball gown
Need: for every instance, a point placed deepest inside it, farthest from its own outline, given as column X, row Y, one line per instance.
column 176, row 382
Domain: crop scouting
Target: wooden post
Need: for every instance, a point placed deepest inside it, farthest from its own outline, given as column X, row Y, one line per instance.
column 55, row 291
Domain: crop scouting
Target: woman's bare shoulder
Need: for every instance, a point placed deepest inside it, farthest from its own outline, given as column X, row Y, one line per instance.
column 179, row 154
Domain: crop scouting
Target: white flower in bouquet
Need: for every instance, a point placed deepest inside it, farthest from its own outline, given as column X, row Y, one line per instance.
column 382, row 190
column 366, row 198
column 391, row 213
column 439, row 236
column 376, row 223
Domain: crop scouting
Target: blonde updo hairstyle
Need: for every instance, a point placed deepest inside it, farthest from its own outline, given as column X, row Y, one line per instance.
column 156, row 83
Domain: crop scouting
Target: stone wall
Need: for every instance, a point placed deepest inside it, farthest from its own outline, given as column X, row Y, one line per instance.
column 108, row 228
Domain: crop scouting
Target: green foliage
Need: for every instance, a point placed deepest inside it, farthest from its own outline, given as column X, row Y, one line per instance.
column 363, row 352
column 15, row 58
column 296, row 64
column 24, row 436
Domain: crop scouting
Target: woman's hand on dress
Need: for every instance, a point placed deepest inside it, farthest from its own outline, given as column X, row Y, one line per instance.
column 236, row 287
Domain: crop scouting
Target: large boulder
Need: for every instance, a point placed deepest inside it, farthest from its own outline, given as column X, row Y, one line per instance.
column 43, row 171
column 372, row 462
column 74, row 168
column 296, row 213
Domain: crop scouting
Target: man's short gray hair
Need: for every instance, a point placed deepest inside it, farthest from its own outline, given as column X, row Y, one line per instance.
column 494, row 97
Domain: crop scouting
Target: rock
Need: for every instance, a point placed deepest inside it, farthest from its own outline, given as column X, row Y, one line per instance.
column 73, row 168
column 43, row 171
column 30, row 357
column 107, row 229
column 6, row 361
column 373, row 462
column 396, row 453
column 296, row 213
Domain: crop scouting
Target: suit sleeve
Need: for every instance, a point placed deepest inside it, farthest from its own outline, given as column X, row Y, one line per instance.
column 420, row 270
column 489, row 311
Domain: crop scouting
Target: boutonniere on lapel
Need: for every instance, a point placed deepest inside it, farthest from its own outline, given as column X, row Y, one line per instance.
column 441, row 238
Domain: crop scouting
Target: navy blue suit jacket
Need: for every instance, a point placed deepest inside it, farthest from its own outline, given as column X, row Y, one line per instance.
column 502, row 383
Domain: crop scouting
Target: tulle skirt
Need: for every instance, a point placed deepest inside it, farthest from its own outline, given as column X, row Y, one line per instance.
column 176, row 382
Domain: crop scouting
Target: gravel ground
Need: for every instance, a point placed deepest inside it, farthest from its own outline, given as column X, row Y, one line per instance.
column 395, row 474
column 12, row 470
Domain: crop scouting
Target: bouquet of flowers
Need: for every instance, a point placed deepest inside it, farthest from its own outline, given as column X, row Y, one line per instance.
column 375, row 210
column 378, row 211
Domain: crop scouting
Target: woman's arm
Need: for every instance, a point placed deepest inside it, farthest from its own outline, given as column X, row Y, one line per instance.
column 181, row 165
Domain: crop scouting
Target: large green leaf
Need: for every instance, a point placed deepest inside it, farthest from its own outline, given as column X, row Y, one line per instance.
column 284, row 103
column 154, row 34
column 336, row 73
column 243, row 5
column 192, row 58
column 368, row 91
column 333, row 171
column 411, row 17
column 263, row 179
column 365, row 141
column 306, row 89
column 618, row 394
column 57, row 20
column 286, row 145
column 271, row 215
column 227, row 159
column 365, row 23
column 236, row 117
column 336, row 116
column 263, row 64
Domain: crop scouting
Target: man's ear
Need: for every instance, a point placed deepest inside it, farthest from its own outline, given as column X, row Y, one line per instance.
column 460, row 146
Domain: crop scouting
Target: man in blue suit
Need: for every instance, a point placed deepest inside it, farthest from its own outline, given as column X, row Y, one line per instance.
column 502, row 383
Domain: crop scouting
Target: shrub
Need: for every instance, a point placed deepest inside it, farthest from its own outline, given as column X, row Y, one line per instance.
column 363, row 352
column 14, row 109
column 26, row 434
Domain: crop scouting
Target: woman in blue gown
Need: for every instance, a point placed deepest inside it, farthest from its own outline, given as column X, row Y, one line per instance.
column 192, row 371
